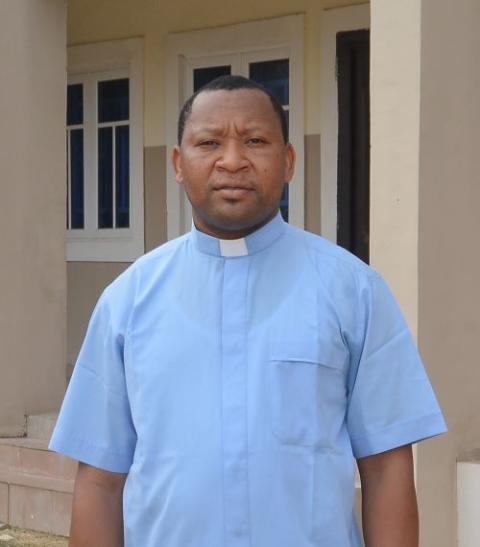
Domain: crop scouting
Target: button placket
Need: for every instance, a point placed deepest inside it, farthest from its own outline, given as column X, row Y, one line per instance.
column 234, row 410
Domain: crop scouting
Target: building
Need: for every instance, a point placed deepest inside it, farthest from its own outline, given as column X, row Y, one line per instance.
column 420, row 183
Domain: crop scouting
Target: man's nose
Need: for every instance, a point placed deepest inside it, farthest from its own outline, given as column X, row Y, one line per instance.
column 232, row 157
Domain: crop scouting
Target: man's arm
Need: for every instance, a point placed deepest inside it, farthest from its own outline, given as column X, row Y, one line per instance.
column 389, row 504
column 97, row 514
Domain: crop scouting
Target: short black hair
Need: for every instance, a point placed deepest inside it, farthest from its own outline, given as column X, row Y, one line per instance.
column 231, row 83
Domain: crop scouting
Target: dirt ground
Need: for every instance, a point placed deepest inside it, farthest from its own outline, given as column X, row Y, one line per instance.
column 15, row 537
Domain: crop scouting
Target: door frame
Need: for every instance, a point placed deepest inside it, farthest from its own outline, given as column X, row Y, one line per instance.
column 333, row 21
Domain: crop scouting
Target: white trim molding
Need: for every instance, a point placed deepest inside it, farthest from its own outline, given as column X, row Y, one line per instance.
column 236, row 45
column 89, row 64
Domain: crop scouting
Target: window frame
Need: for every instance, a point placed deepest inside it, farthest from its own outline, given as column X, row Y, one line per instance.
column 254, row 41
column 89, row 64
column 69, row 128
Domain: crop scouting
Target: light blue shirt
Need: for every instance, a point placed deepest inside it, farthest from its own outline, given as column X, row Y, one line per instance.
column 236, row 381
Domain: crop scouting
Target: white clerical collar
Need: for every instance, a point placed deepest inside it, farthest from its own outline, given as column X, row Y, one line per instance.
column 233, row 247
column 250, row 244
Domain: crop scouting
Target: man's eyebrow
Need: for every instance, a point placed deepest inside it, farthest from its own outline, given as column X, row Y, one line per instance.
column 256, row 128
column 218, row 130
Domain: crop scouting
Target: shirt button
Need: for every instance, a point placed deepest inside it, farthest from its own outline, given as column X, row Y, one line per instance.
column 238, row 531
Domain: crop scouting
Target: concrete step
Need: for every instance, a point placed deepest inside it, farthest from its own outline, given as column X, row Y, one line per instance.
column 41, row 426
column 36, row 485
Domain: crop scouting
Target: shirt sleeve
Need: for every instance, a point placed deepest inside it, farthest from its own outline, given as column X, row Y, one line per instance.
column 95, row 424
column 390, row 401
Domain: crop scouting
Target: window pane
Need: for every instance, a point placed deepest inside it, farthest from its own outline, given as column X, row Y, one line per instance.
column 75, row 104
column 202, row 76
column 105, row 184
column 76, row 178
column 113, row 98
column 122, row 164
column 274, row 76
column 284, row 203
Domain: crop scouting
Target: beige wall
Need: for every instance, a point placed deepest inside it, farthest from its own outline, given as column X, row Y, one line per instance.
column 449, row 250
column 312, row 183
column 155, row 196
column 91, row 20
column 86, row 281
column 32, row 210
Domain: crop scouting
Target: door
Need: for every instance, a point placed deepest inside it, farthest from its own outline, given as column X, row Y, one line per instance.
column 353, row 197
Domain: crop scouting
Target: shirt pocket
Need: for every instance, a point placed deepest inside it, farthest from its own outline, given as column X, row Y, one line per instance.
column 307, row 394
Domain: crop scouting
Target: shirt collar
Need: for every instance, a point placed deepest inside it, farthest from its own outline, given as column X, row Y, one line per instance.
column 254, row 242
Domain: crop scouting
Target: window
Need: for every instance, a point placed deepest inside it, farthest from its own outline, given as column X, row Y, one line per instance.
column 269, row 52
column 113, row 154
column 105, row 152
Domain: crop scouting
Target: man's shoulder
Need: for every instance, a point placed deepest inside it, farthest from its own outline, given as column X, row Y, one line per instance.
column 162, row 253
column 126, row 284
column 329, row 255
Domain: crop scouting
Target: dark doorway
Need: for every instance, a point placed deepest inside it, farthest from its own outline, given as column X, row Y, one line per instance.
column 353, row 198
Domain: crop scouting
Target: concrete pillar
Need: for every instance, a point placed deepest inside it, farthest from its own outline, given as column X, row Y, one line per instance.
column 32, row 210
column 449, row 251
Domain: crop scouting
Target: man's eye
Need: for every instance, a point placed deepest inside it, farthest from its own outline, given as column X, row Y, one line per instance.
column 255, row 141
column 208, row 143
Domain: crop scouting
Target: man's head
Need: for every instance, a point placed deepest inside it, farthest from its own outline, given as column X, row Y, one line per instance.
column 233, row 156
column 230, row 83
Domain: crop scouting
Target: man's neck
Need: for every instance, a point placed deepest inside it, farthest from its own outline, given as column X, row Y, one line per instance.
column 224, row 233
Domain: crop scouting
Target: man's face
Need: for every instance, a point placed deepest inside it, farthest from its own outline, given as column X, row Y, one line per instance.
column 233, row 162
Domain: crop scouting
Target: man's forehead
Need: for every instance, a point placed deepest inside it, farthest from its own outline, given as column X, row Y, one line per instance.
column 250, row 107
column 248, row 102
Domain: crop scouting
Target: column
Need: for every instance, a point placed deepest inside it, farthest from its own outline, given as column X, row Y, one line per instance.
column 395, row 126
column 32, row 210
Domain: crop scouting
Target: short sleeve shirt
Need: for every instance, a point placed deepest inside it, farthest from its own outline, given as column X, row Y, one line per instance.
column 236, row 382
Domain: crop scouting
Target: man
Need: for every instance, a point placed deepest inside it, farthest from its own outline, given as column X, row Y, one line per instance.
column 229, row 378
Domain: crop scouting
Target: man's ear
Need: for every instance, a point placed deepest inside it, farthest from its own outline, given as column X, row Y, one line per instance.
column 290, row 158
column 177, row 164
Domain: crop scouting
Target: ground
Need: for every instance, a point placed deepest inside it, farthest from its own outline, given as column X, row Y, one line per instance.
column 15, row 537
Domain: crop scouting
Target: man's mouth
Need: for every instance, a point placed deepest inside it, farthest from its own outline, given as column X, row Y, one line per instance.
column 233, row 191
